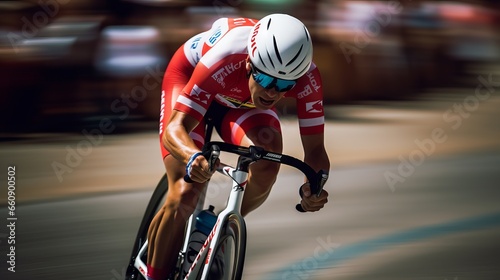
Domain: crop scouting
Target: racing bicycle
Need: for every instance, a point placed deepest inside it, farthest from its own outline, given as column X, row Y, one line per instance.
column 222, row 254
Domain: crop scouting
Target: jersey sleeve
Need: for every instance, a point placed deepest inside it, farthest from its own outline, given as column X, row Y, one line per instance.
column 309, row 95
column 198, row 93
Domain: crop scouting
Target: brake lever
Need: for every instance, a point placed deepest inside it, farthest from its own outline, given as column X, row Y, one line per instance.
column 213, row 155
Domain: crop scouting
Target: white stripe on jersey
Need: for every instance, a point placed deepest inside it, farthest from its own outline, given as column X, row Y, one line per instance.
column 311, row 122
column 191, row 104
column 247, row 115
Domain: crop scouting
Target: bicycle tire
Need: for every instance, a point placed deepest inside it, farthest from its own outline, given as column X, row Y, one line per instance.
column 155, row 203
column 235, row 230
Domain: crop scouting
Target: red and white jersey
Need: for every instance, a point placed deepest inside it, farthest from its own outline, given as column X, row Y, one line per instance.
column 218, row 57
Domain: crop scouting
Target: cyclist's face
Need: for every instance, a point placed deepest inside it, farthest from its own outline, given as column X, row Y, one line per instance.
column 262, row 98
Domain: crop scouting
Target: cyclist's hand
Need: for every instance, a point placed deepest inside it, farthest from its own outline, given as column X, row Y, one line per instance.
column 199, row 170
column 311, row 202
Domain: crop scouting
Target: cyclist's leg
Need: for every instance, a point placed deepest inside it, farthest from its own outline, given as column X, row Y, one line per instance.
column 167, row 227
column 260, row 128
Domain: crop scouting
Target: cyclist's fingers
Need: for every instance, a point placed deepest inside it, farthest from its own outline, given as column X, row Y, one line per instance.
column 314, row 203
column 322, row 196
column 200, row 174
column 203, row 164
column 199, row 170
column 306, row 189
column 310, row 208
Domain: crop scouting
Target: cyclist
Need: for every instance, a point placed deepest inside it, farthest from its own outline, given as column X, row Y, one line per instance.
column 235, row 73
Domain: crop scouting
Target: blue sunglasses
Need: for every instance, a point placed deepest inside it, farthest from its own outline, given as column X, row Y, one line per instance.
column 269, row 82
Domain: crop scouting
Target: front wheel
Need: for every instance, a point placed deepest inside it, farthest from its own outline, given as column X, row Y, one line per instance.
column 229, row 255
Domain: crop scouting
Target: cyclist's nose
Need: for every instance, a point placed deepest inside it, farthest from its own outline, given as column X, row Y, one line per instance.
column 272, row 93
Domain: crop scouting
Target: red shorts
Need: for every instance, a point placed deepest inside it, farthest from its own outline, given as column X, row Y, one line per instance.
column 231, row 123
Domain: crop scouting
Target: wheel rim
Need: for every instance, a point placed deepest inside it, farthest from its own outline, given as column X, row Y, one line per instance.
column 224, row 262
column 231, row 250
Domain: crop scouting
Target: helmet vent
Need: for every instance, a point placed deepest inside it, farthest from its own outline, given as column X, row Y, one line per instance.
column 293, row 70
column 307, row 35
column 270, row 59
column 276, row 50
column 262, row 61
column 268, row 24
column 295, row 57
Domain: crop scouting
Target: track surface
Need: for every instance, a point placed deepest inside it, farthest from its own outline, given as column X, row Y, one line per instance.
column 441, row 222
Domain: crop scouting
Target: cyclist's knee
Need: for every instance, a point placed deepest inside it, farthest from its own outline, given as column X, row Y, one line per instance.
column 183, row 198
column 266, row 171
column 269, row 141
column 265, row 174
column 265, row 137
column 265, row 168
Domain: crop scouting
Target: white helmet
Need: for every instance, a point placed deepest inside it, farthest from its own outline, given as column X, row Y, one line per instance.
column 280, row 45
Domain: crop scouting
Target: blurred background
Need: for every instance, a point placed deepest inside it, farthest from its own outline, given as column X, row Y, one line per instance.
column 65, row 63
column 411, row 104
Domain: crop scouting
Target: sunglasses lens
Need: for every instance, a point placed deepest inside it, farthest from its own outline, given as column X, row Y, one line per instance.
column 264, row 80
column 268, row 82
column 284, row 85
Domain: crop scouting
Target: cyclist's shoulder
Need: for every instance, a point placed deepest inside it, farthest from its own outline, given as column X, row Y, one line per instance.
column 233, row 22
column 226, row 42
column 313, row 70
column 233, row 27
column 309, row 84
column 225, row 37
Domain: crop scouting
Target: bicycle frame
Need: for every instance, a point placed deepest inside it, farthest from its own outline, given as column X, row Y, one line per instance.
column 204, row 258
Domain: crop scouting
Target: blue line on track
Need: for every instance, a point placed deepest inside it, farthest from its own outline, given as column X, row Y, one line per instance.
column 304, row 269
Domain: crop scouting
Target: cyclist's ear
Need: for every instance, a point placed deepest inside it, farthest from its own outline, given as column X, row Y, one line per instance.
column 248, row 67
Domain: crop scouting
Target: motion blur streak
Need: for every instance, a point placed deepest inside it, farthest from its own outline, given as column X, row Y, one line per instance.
column 412, row 98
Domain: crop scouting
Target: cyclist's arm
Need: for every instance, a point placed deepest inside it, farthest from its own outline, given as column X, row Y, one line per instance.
column 177, row 141
column 189, row 109
column 315, row 153
column 176, row 138
column 309, row 96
